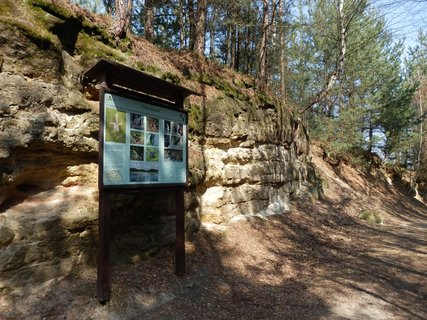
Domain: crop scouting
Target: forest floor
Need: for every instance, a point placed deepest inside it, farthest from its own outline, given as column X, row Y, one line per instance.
column 316, row 261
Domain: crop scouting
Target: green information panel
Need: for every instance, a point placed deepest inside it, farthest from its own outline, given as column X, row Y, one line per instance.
column 143, row 143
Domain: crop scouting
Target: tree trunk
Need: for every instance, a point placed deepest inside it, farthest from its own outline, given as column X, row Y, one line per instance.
column 212, row 43
column 123, row 10
column 261, row 77
column 232, row 48
column 420, row 157
column 238, row 45
column 149, row 20
column 181, row 23
column 228, row 47
column 370, row 136
column 192, row 22
column 248, row 47
column 283, row 62
column 343, row 38
column 199, row 45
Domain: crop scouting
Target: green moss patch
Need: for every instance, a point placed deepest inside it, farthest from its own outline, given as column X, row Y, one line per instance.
column 89, row 48
column 265, row 101
column 168, row 76
column 371, row 216
column 42, row 39
column 153, row 70
column 222, row 85
column 196, row 119
column 54, row 9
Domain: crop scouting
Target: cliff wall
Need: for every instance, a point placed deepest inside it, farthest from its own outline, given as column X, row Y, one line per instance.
column 247, row 155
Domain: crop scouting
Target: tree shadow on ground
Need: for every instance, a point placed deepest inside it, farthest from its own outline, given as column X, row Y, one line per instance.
column 213, row 288
column 303, row 264
column 228, row 281
column 387, row 265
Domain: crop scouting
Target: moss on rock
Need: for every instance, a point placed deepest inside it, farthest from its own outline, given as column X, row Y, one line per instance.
column 168, row 76
column 53, row 8
column 90, row 49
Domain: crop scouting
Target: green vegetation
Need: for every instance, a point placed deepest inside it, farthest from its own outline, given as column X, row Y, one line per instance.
column 168, row 76
column 151, row 69
column 265, row 100
column 196, row 119
column 42, row 39
column 371, row 216
column 53, row 8
column 115, row 126
column 90, row 49
column 222, row 85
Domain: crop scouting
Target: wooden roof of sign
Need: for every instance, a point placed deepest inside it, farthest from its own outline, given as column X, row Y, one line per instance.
column 124, row 78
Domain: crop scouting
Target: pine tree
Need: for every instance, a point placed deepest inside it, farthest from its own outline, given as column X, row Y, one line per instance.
column 122, row 17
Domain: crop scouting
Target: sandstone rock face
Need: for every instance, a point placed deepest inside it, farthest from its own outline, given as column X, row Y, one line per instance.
column 243, row 159
column 252, row 157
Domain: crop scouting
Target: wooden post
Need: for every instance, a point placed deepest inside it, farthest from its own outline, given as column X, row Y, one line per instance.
column 104, row 238
column 180, row 233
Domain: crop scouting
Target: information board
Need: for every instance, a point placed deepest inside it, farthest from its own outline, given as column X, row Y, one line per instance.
column 143, row 144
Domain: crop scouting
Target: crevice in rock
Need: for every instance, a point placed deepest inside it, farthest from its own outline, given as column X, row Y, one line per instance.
column 67, row 33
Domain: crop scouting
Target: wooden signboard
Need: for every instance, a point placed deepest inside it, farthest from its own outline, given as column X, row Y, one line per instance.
column 142, row 148
column 143, row 144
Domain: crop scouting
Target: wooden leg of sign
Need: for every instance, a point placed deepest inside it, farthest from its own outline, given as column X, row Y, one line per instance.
column 180, row 233
column 104, row 238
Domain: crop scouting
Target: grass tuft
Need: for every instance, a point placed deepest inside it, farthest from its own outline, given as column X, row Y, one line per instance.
column 371, row 216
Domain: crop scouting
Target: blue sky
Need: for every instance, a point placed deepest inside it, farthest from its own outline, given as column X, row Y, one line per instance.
column 404, row 18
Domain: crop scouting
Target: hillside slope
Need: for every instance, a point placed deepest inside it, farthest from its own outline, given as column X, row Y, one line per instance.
column 317, row 260
column 246, row 151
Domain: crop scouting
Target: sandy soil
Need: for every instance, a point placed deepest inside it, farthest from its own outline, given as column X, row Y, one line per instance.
column 316, row 261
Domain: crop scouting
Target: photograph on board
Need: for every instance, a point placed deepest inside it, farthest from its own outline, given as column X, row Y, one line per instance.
column 152, row 124
column 136, row 121
column 114, row 176
column 173, row 155
column 144, row 173
column 151, row 154
column 152, row 139
column 167, row 141
column 177, row 142
column 136, row 137
column 115, row 126
column 136, row 153
column 177, row 129
column 167, row 127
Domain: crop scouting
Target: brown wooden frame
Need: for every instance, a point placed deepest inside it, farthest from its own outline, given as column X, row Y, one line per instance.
column 127, row 82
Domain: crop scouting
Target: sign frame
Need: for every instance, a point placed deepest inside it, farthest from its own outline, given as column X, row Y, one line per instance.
column 111, row 77
column 149, row 102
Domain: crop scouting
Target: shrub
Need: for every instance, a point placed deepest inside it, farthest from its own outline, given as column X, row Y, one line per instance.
column 371, row 216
